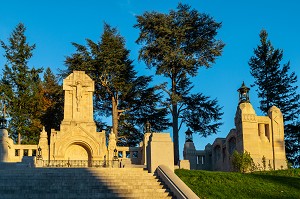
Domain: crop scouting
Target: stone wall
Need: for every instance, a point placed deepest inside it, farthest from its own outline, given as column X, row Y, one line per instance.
column 261, row 136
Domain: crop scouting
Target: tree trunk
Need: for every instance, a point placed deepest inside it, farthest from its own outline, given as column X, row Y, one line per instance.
column 175, row 134
column 175, row 124
column 115, row 116
column 19, row 138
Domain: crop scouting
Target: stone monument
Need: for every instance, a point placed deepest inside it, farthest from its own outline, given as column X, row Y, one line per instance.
column 78, row 138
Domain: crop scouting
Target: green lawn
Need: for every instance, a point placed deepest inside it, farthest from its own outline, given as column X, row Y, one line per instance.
column 274, row 184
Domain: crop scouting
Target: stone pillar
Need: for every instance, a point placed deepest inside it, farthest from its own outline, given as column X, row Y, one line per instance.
column 144, row 148
column 43, row 144
column 29, row 152
column 160, row 151
column 4, row 153
column 249, row 126
column 277, row 133
column 112, row 145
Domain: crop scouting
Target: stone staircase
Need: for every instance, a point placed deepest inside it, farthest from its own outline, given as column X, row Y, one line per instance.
column 85, row 183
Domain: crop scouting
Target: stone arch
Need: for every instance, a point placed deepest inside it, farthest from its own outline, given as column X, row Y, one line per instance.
column 78, row 143
column 78, row 151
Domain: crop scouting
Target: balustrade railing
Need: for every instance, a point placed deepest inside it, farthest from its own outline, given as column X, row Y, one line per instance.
column 79, row 163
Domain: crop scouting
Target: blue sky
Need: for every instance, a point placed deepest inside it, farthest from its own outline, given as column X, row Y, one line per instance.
column 53, row 25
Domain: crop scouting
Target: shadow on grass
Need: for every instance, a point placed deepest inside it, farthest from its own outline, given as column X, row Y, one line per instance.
column 285, row 181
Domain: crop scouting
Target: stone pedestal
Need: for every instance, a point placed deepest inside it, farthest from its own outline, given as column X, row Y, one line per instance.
column 160, row 151
column 39, row 163
column 184, row 164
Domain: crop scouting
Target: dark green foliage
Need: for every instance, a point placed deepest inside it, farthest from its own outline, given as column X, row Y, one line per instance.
column 271, row 184
column 201, row 114
column 22, row 86
column 53, row 98
column 242, row 162
column 177, row 44
column 119, row 91
column 276, row 86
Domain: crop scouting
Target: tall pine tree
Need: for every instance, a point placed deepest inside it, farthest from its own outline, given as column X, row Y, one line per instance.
column 22, row 86
column 119, row 92
column 54, row 103
column 276, row 86
column 177, row 44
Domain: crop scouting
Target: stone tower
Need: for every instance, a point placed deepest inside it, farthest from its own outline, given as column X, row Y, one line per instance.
column 261, row 136
column 189, row 150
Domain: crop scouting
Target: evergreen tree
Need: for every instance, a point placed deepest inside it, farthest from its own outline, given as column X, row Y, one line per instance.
column 276, row 86
column 22, row 86
column 53, row 98
column 119, row 91
column 177, row 44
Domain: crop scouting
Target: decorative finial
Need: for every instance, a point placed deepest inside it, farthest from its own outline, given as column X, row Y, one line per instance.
column 188, row 136
column 244, row 94
column 148, row 127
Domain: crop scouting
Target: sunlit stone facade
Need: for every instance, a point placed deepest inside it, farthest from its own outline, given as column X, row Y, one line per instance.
column 261, row 136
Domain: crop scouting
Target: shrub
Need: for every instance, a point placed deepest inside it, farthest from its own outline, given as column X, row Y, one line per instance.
column 242, row 162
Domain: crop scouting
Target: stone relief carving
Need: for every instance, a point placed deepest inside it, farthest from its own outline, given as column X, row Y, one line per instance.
column 249, row 117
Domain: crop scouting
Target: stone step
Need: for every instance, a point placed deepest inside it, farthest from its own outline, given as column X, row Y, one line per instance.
column 64, row 190
column 145, row 188
column 80, row 183
column 85, row 196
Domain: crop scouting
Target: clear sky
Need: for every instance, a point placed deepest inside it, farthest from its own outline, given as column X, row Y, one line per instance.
column 53, row 25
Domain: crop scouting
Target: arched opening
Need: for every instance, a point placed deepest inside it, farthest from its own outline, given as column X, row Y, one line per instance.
column 78, row 151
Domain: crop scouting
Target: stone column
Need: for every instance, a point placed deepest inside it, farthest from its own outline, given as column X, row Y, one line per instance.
column 112, row 144
column 144, row 147
column 43, row 144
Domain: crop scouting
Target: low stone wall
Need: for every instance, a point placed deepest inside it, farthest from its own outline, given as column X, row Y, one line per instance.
column 179, row 189
column 129, row 155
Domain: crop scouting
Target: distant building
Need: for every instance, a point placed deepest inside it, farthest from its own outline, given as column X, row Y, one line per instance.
column 261, row 136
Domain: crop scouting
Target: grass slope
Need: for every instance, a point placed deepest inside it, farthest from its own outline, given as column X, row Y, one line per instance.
column 273, row 184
